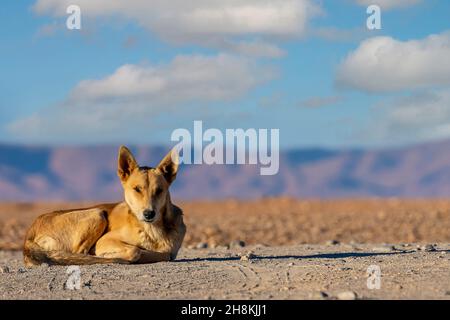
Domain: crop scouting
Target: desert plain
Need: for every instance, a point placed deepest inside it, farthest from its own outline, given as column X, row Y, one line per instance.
column 271, row 248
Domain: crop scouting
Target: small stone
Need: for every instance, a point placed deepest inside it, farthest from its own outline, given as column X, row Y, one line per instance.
column 320, row 295
column 290, row 264
column 261, row 245
column 384, row 248
column 21, row 270
column 427, row 248
column 347, row 295
column 332, row 242
column 201, row 245
column 4, row 269
column 447, row 293
column 248, row 257
column 237, row 244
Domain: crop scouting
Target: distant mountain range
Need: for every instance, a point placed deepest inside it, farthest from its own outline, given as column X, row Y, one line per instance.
column 89, row 173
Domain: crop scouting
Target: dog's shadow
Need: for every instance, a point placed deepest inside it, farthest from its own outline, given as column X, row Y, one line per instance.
column 337, row 255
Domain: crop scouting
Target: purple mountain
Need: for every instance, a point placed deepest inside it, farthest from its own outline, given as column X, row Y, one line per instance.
column 89, row 173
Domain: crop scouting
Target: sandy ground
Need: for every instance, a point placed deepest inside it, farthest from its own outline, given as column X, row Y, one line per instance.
column 287, row 272
column 292, row 243
column 278, row 221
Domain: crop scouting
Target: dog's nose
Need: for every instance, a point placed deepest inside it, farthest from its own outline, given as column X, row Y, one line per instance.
column 149, row 214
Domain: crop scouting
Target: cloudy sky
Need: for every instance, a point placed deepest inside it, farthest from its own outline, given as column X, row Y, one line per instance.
column 138, row 69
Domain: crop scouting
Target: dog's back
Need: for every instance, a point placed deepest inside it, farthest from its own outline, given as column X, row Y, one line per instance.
column 66, row 237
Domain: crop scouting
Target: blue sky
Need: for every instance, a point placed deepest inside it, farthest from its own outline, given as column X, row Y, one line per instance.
column 133, row 74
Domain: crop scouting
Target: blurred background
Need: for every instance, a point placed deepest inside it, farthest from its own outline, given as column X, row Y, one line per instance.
column 363, row 114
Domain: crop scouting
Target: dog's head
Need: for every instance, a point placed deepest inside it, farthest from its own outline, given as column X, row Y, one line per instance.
column 147, row 189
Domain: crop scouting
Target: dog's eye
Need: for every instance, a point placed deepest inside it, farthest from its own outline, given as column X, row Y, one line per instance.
column 158, row 191
column 138, row 189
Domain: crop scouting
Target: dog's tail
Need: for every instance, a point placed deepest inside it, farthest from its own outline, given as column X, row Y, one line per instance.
column 35, row 255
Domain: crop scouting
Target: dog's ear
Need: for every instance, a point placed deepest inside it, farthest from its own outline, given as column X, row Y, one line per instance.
column 126, row 164
column 169, row 166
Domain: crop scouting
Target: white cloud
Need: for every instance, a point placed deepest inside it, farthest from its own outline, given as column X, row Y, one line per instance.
column 383, row 64
column 135, row 93
column 186, row 78
column 389, row 4
column 257, row 49
column 199, row 21
column 417, row 117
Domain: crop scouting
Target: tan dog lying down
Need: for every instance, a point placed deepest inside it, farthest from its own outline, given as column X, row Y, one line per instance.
column 145, row 228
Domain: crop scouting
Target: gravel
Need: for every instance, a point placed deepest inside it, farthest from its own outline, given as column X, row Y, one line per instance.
column 346, row 295
column 237, row 244
column 201, row 245
column 4, row 269
column 427, row 247
column 284, row 272
column 384, row 248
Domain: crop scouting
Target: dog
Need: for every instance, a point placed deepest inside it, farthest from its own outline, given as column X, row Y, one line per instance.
column 145, row 228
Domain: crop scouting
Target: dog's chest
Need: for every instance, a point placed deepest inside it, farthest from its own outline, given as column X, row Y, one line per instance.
column 153, row 239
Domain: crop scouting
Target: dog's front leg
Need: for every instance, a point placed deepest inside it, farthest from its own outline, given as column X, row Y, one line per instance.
column 109, row 247
column 147, row 256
